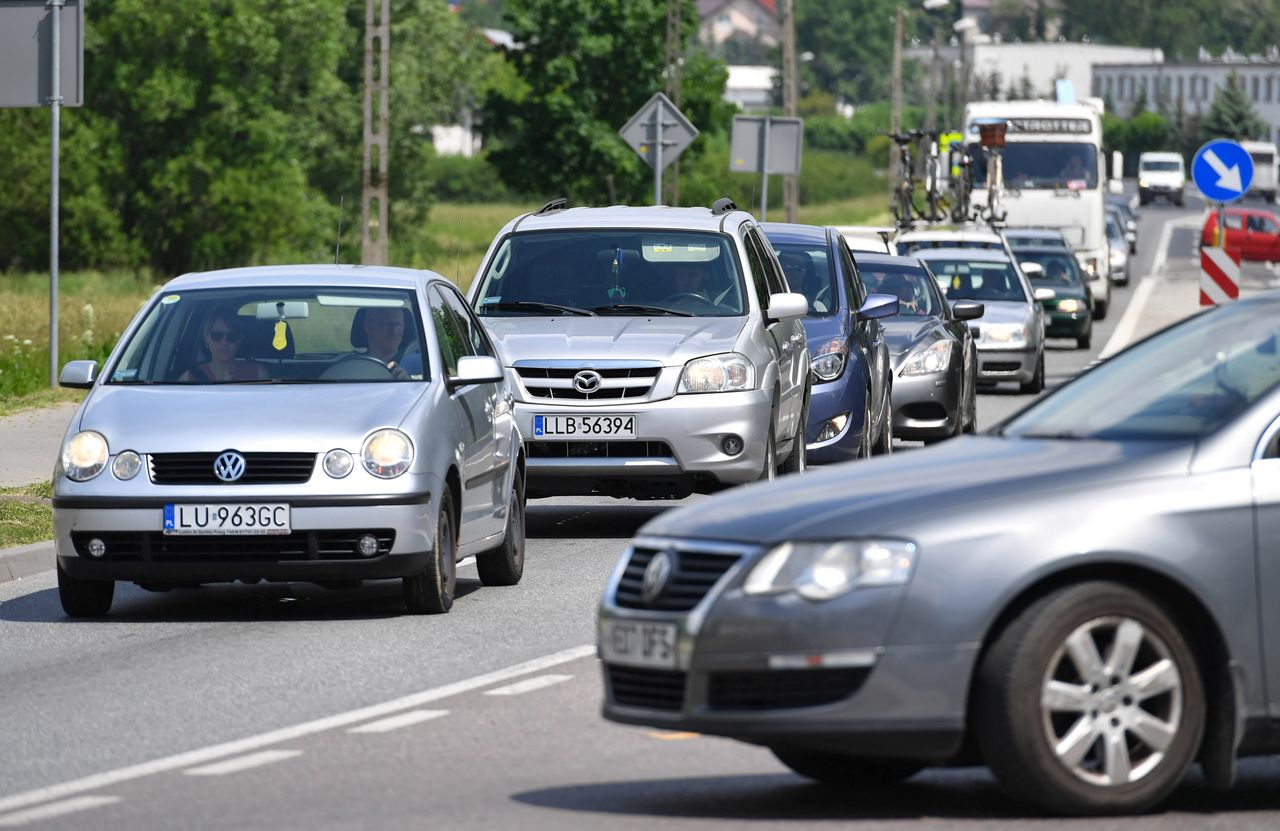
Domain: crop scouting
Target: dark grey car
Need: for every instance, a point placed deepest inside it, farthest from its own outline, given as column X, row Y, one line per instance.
column 1084, row 599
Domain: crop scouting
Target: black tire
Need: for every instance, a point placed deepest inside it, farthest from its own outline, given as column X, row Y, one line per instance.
column 430, row 591
column 847, row 771
column 1179, row 201
column 1100, row 311
column 85, row 598
column 884, row 444
column 797, row 460
column 1029, row 663
column 1086, row 340
column 864, row 442
column 503, row 565
column 1036, row 384
column 770, row 470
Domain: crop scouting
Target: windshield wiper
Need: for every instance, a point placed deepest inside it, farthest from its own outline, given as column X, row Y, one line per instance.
column 1062, row 434
column 623, row 308
column 533, row 306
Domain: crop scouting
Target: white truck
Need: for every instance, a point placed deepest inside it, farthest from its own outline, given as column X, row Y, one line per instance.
column 1265, row 173
column 1054, row 177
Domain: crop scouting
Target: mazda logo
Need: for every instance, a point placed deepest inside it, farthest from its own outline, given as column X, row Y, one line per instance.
column 229, row 466
column 656, row 575
column 587, row 381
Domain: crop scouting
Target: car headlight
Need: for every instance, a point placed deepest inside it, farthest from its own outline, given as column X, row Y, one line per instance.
column 936, row 357
column 85, row 456
column 126, row 465
column 729, row 372
column 1091, row 265
column 830, row 360
column 1011, row 333
column 823, row 570
column 387, row 453
column 1070, row 304
column 1143, row 183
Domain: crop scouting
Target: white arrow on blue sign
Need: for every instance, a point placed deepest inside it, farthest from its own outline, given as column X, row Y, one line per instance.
column 1222, row 170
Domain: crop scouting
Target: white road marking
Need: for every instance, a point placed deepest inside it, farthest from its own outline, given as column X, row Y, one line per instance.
column 529, row 685
column 396, row 722
column 253, row 760
column 1123, row 333
column 97, row 781
column 56, row 809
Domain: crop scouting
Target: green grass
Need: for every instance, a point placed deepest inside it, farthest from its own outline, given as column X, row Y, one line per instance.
column 456, row 238
column 26, row 514
column 861, row 210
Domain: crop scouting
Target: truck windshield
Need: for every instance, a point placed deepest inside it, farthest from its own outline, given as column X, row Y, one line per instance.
column 1042, row 165
column 1161, row 167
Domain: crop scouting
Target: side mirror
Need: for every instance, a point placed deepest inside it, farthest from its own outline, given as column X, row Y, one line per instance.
column 78, row 375
column 787, row 306
column 1032, row 270
column 476, row 369
column 1045, row 293
column 1131, row 225
column 1115, row 186
column 968, row 309
column 1117, row 166
column 878, row 306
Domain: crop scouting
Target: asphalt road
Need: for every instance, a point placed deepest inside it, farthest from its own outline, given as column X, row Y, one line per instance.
column 290, row 706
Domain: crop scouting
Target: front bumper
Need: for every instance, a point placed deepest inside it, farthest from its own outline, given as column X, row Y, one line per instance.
column 1067, row 324
column 844, row 396
column 927, row 406
column 320, row 547
column 996, row 365
column 677, row 447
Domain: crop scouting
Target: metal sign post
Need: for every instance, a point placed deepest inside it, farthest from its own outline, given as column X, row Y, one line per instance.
column 659, row 133
column 766, row 145
column 55, row 106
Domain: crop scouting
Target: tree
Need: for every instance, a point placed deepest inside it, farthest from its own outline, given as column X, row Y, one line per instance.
column 852, row 43
column 1232, row 115
column 1180, row 28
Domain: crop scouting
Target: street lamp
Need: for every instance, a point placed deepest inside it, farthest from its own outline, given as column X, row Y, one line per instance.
column 965, row 27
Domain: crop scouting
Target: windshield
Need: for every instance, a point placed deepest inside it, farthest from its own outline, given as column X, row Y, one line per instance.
column 613, row 271
column 1162, row 167
column 1055, row 240
column 1262, row 158
column 1042, row 165
column 809, row 271
column 1182, row 384
column 1113, row 231
column 321, row 334
column 910, row 283
column 1060, row 268
column 910, row 246
column 977, row 280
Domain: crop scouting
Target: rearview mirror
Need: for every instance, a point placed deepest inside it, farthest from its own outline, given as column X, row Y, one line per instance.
column 968, row 309
column 787, row 306
column 476, row 369
column 282, row 310
column 878, row 306
column 1045, row 293
column 78, row 375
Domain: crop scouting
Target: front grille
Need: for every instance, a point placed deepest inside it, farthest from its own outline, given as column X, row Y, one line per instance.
column 1001, row 366
column 155, row 546
column 259, row 468
column 695, row 573
column 783, row 689
column 654, row 689
column 616, row 383
column 925, row 411
column 599, row 449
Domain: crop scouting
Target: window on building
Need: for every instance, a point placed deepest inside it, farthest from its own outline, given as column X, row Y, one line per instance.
column 1254, row 88
column 1270, row 84
column 1181, row 90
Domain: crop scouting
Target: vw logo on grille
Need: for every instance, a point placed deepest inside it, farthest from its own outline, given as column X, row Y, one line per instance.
column 587, row 381
column 656, row 575
column 229, row 466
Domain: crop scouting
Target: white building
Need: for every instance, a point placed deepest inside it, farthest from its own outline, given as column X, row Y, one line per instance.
column 750, row 87
column 751, row 19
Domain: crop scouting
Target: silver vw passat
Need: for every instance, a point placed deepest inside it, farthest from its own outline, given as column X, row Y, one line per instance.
column 1084, row 599
column 312, row 423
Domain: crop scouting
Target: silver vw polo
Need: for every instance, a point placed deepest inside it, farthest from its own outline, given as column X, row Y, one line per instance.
column 306, row 423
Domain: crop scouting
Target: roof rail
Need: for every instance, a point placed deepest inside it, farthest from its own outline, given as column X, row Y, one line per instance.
column 558, row 204
column 722, row 206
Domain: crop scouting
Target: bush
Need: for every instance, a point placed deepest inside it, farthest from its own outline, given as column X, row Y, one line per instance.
column 466, row 180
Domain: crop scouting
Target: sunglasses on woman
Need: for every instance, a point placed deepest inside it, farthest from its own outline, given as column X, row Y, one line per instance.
column 219, row 335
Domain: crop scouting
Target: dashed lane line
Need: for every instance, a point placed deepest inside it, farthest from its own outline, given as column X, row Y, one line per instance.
column 396, row 722
column 212, row 753
column 55, row 809
column 253, row 760
column 529, row 685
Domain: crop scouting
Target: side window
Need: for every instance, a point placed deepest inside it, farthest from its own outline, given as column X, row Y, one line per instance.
column 1269, row 226
column 475, row 339
column 774, row 277
column 857, row 289
column 452, row 338
column 756, row 264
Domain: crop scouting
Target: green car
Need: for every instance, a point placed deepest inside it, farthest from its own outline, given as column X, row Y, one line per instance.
column 1069, row 314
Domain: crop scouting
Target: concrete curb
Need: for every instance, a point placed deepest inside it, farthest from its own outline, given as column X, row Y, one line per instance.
column 26, row 560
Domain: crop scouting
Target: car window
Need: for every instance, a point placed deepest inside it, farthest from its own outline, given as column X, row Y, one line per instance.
column 1161, row 167
column 294, row 334
column 1060, row 268
column 450, row 334
column 1234, row 222
column 1269, row 225
column 474, row 341
column 977, row 280
column 909, row 283
column 857, row 287
column 773, row 276
column 755, row 262
column 809, row 270
column 616, row 271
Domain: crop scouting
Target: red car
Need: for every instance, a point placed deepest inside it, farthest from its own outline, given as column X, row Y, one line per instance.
column 1255, row 233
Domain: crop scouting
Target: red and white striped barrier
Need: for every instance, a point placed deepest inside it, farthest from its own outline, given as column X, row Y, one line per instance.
column 1219, row 276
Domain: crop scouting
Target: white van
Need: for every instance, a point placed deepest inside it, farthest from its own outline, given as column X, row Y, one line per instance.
column 1161, row 174
column 1265, row 159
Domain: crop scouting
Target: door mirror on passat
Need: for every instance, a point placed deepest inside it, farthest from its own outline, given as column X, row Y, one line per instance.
column 476, row 369
column 968, row 309
column 877, row 306
column 787, row 306
column 1032, row 270
column 1045, row 293
column 78, row 375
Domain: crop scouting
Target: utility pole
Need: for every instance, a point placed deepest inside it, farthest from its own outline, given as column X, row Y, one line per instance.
column 790, row 96
column 377, row 48
column 675, row 55
column 935, row 85
column 895, row 107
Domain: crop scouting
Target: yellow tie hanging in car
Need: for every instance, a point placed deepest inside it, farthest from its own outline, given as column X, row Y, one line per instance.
column 280, row 341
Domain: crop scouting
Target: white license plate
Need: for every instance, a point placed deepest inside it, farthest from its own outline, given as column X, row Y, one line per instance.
column 639, row 644
column 227, row 519
column 584, row 427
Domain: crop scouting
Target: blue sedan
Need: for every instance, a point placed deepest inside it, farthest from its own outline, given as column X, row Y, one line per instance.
column 850, row 415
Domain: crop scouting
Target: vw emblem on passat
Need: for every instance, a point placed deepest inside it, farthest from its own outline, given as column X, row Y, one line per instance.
column 656, row 575
column 229, row 466
column 587, row 381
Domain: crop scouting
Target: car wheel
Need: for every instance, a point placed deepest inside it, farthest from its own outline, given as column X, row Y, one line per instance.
column 797, row 460
column 504, row 565
column 430, row 591
column 846, row 771
column 1180, row 201
column 770, row 470
column 1086, row 340
column 1090, row 702
column 85, row 598
column 1100, row 310
column 1036, row 384
column 884, row 446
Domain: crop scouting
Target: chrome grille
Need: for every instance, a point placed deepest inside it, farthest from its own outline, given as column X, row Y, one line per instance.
column 617, row 383
column 259, row 469
column 695, row 574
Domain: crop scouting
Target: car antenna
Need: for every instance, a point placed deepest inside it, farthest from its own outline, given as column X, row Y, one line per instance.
column 338, row 241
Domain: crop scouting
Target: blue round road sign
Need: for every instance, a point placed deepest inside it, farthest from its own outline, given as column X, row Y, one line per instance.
column 1222, row 170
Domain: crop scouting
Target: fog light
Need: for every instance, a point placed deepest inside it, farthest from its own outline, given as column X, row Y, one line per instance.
column 833, row 427
column 731, row 445
column 338, row 463
column 367, row 545
column 126, row 465
column 97, row 547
